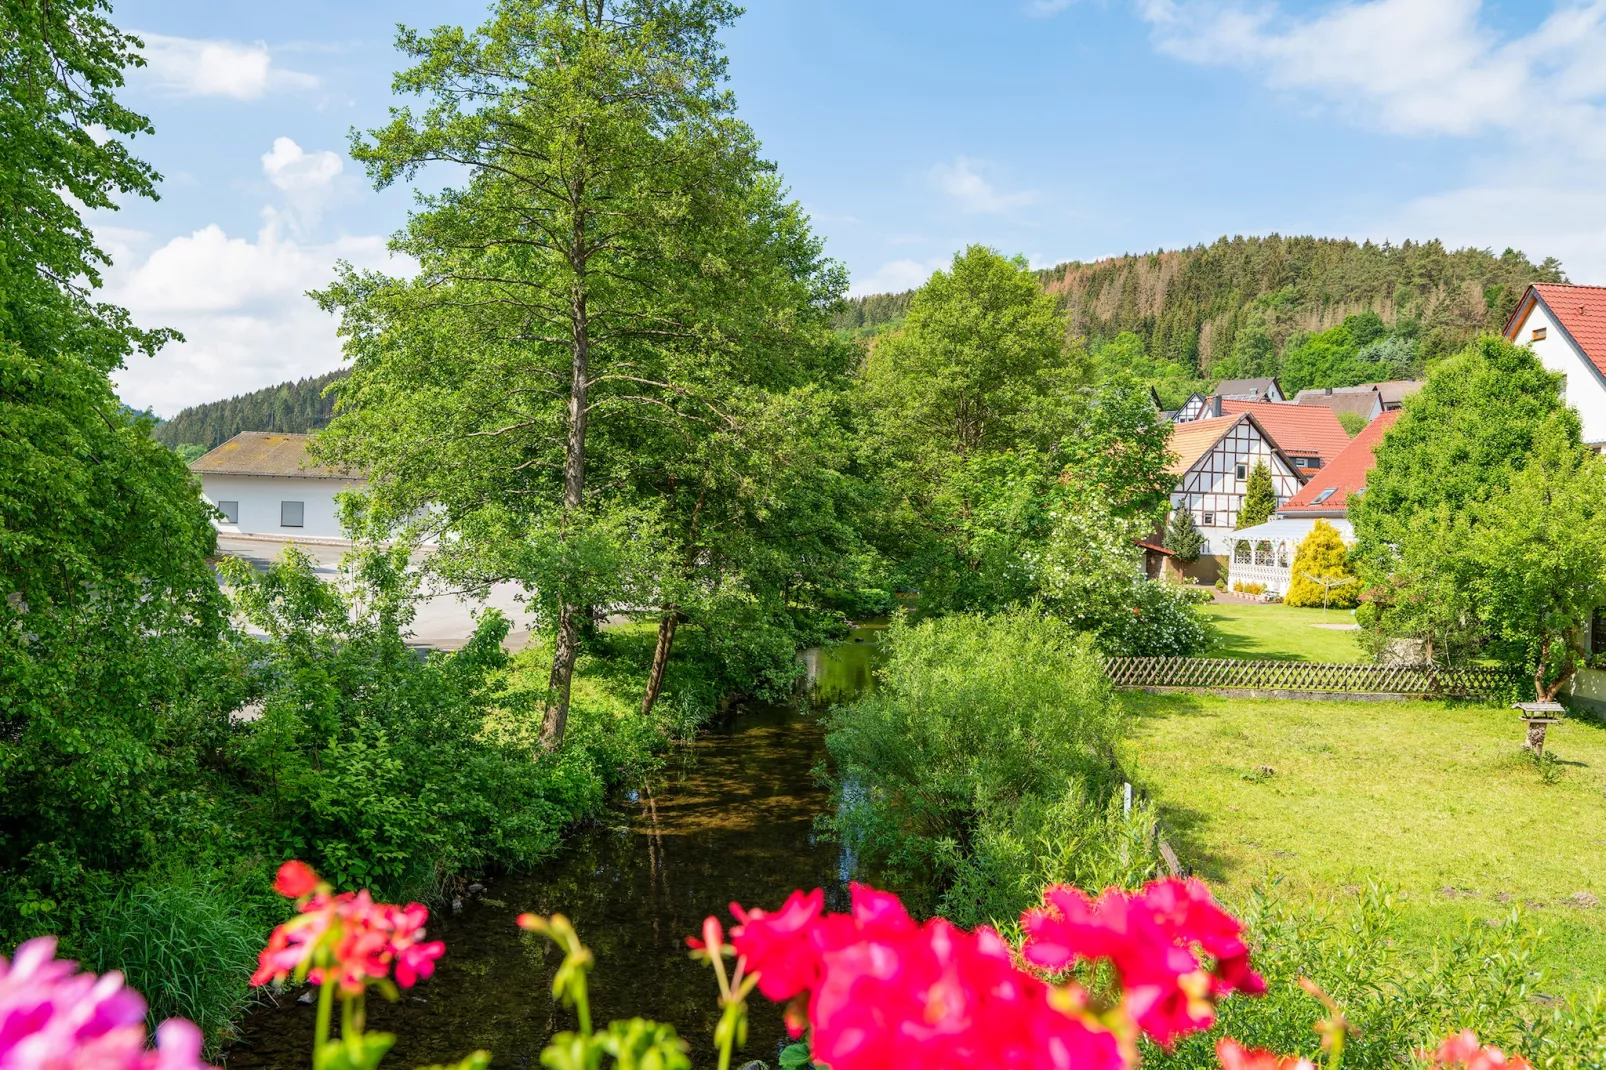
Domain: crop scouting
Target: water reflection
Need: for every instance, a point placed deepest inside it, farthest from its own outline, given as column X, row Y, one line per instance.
column 731, row 818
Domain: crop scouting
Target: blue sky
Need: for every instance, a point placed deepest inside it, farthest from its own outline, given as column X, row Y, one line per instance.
column 1059, row 129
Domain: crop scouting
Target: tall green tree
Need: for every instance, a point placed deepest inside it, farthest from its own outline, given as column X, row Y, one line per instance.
column 1536, row 554
column 981, row 343
column 1457, row 445
column 966, row 405
column 1260, row 497
column 617, row 256
column 108, row 610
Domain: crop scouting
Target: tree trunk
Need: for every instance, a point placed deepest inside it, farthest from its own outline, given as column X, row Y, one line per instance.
column 660, row 657
column 574, row 482
column 670, row 619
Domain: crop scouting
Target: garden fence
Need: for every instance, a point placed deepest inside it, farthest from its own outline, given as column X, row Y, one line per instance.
column 1473, row 681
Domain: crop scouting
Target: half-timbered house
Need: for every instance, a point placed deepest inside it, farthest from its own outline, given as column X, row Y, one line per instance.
column 1214, row 459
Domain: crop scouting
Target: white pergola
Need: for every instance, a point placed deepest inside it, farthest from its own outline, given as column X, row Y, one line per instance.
column 1264, row 554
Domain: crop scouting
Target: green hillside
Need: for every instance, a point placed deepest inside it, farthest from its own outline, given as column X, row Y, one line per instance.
column 1241, row 305
column 292, row 407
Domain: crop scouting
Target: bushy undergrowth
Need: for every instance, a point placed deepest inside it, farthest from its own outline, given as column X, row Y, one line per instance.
column 324, row 736
column 1400, row 996
column 982, row 767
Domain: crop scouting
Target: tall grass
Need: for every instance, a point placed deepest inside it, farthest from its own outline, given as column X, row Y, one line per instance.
column 187, row 944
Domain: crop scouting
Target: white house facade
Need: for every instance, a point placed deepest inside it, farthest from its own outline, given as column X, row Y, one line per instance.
column 1565, row 326
column 264, row 485
column 1214, row 459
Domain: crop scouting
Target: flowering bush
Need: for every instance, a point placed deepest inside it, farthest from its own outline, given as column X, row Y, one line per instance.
column 54, row 1017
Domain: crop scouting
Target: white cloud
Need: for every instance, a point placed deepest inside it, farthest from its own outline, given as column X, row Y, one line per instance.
column 307, row 180
column 1533, row 102
column 896, row 276
column 293, row 169
column 1411, row 66
column 186, row 66
column 241, row 305
column 962, row 181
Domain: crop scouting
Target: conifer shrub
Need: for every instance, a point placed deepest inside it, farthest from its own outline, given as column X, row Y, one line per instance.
column 1322, row 555
column 1260, row 497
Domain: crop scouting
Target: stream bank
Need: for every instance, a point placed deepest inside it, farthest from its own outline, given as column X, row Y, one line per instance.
column 730, row 817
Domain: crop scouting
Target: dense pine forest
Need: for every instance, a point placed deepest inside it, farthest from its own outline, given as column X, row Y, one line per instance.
column 1210, row 309
column 293, row 407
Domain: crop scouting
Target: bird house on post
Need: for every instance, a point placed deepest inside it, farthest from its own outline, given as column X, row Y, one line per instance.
column 1538, row 716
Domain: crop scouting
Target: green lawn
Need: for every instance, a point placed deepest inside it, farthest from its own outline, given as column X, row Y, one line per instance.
column 1435, row 800
column 1272, row 631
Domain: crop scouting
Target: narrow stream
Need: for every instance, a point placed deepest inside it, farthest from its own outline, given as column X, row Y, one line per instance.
column 729, row 818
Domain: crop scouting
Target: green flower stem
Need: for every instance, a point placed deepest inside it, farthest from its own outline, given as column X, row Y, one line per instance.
column 320, row 1034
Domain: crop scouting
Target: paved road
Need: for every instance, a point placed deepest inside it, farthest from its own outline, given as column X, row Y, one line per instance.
column 444, row 621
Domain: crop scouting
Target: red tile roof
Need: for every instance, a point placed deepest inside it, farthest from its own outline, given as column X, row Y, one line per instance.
column 1346, row 475
column 1301, row 430
column 1581, row 311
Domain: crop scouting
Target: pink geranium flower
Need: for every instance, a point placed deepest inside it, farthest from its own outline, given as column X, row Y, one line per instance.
column 1149, row 937
column 1234, row 1056
column 348, row 937
column 1463, row 1052
column 883, row 991
column 778, row 947
column 52, row 1017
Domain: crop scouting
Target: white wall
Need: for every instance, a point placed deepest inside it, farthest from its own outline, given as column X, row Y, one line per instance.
column 1212, row 485
column 260, row 498
column 1585, row 390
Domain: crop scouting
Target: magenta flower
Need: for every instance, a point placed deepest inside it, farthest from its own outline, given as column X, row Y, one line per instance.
column 348, row 937
column 52, row 1017
column 778, row 947
column 1150, row 937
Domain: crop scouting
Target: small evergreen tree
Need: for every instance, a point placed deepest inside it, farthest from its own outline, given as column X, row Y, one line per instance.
column 1182, row 538
column 1322, row 557
column 1260, row 497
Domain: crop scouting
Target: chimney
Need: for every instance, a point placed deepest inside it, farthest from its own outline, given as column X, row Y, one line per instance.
column 1328, row 391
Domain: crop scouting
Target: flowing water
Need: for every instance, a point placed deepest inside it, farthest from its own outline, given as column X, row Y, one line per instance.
column 729, row 818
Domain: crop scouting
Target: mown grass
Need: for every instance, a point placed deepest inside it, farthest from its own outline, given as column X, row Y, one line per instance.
column 1260, row 631
column 1435, row 800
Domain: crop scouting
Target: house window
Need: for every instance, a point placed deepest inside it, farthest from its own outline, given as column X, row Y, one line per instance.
column 1207, row 519
column 292, row 514
column 230, row 511
column 1243, row 470
column 1538, row 335
column 1323, row 496
column 1307, row 462
column 1597, row 633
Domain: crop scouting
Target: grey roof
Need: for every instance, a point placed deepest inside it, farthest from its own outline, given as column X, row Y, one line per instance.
column 1244, row 388
column 1359, row 399
column 264, row 453
column 1398, row 390
column 1356, row 399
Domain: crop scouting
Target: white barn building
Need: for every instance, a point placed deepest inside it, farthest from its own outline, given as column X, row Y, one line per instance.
column 265, row 485
column 1565, row 326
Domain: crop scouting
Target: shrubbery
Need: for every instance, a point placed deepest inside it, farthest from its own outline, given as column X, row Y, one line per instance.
column 327, row 737
column 986, row 735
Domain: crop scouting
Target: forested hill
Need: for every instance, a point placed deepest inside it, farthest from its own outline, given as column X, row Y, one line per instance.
column 294, row 407
column 1188, row 306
